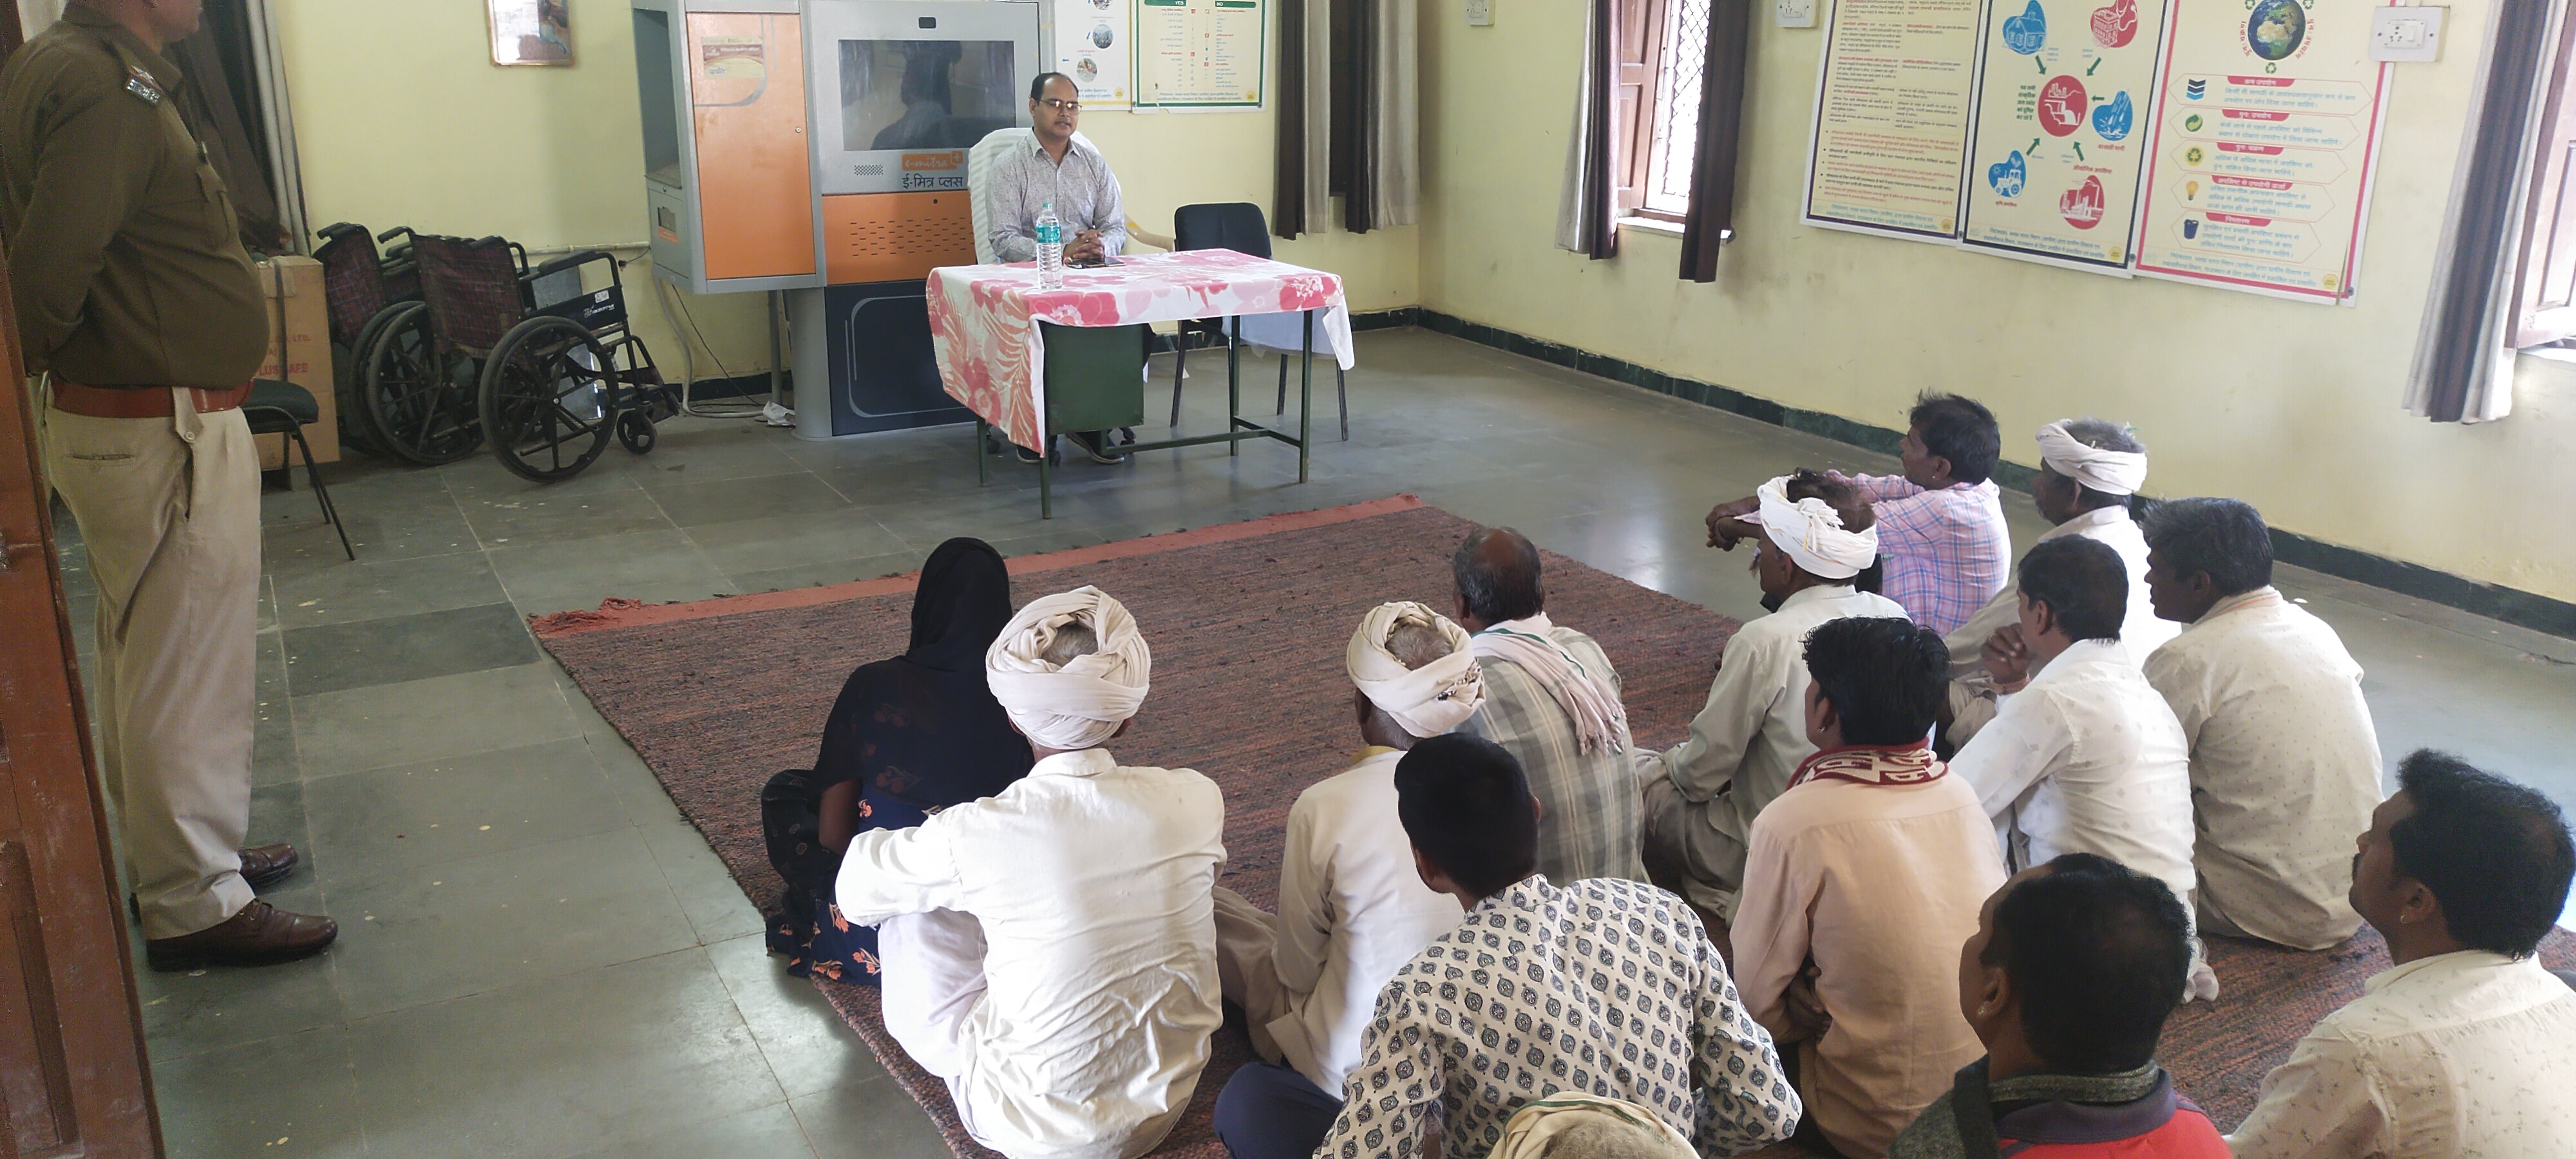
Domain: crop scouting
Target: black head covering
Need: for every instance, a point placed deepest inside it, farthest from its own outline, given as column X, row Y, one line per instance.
column 923, row 728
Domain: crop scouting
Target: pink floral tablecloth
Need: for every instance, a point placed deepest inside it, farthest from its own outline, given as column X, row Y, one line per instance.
column 993, row 359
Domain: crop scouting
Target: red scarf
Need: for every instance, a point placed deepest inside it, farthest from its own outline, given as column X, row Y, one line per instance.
column 1861, row 764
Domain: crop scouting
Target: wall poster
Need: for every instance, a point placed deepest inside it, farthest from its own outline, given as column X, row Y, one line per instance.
column 1890, row 138
column 2063, row 102
column 1092, row 47
column 1201, row 54
column 2264, row 149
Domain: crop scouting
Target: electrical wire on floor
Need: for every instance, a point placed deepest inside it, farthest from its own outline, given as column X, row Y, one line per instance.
column 767, row 410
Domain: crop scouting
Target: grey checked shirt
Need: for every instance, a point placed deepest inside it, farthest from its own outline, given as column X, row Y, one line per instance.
column 1591, row 810
column 1083, row 189
column 1609, row 988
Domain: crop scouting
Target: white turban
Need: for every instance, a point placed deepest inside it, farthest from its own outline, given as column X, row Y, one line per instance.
column 2109, row 472
column 1081, row 704
column 1811, row 531
column 1429, row 700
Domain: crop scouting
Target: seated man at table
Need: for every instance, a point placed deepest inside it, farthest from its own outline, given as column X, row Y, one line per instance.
column 1050, row 951
column 1056, row 169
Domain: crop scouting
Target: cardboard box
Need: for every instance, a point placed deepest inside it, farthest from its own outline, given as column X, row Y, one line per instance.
column 299, row 351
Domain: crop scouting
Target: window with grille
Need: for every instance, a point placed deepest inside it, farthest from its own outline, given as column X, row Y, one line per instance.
column 1662, row 47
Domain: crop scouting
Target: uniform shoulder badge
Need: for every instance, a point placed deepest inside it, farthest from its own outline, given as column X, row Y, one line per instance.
column 141, row 84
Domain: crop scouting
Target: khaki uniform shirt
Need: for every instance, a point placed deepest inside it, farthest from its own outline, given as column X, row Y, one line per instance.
column 123, row 252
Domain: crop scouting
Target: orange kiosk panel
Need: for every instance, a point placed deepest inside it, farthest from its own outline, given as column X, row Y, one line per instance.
column 755, row 189
column 894, row 237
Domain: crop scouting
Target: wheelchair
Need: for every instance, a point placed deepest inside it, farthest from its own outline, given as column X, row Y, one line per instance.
column 479, row 359
column 360, row 289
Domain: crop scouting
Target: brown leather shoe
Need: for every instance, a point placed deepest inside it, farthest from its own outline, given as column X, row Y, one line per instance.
column 267, row 865
column 260, row 935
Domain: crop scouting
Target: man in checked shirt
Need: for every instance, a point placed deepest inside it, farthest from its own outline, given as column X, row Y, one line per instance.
column 1605, row 987
column 1941, row 532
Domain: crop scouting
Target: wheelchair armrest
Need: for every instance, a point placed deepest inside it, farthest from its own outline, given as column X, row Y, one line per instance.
column 402, row 231
column 568, row 261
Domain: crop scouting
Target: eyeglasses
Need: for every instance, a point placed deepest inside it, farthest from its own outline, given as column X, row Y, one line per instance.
column 1062, row 106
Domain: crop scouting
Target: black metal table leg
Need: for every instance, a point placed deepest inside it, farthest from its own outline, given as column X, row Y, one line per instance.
column 983, row 451
column 1046, row 492
column 1306, row 398
column 1233, row 381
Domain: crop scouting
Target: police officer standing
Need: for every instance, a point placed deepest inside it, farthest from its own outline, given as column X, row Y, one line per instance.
column 138, row 306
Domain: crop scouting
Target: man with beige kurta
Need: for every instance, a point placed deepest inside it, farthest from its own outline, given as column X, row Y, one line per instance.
column 2284, row 760
column 1862, row 881
column 139, row 309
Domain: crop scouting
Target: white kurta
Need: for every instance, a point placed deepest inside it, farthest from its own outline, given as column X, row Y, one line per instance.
column 1972, row 692
column 1752, row 733
column 2464, row 1054
column 1352, row 911
column 2087, row 758
column 2284, row 766
column 1091, row 882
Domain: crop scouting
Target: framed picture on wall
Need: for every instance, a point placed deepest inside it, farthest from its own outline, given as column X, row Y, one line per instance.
column 531, row 31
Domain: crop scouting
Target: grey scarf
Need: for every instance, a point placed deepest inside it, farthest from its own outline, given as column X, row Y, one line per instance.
column 1961, row 1124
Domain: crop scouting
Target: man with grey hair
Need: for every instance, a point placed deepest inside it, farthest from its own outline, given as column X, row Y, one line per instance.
column 2284, row 760
column 1552, row 701
column 2089, row 475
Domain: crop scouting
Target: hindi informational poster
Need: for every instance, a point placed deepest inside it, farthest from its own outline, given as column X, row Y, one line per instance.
column 2063, row 102
column 1890, row 139
column 2264, row 148
column 1201, row 54
column 1092, row 47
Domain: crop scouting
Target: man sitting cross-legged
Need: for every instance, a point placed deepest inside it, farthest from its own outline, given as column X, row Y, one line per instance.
column 1605, row 987
column 2089, row 475
column 1815, row 533
column 1351, row 908
column 2083, row 756
column 1863, row 878
column 2465, row 1046
column 1050, row 950
column 2073, row 968
column 1552, row 701
column 2283, row 755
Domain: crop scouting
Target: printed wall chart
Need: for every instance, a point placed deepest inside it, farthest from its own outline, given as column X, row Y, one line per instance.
column 1890, row 136
column 1091, row 46
column 2264, row 148
column 2063, row 100
column 1200, row 54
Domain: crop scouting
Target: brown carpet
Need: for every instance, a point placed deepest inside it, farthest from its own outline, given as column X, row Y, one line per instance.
column 1247, row 622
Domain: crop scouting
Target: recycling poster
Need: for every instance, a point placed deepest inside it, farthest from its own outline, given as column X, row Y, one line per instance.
column 2062, row 114
column 2260, row 178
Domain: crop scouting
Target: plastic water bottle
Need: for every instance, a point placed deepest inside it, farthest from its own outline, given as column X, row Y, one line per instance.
column 1050, row 248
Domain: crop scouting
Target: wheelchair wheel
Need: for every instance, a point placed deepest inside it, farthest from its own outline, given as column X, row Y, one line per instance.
column 548, row 398
column 421, row 410
column 349, row 366
column 635, row 431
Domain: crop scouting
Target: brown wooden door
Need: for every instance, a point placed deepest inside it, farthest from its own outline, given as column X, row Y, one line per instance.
column 72, row 1075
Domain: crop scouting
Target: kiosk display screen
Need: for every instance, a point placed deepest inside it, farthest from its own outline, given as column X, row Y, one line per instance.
column 917, row 95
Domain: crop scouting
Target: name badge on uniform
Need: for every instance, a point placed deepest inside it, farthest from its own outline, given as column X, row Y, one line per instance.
column 141, row 84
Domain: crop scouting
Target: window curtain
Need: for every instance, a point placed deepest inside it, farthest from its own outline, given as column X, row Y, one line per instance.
column 222, row 98
column 1373, row 131
column 35, row 16
column 1710, row 217
column 1583, row 222
column 1301, row 181
column 2464, row 361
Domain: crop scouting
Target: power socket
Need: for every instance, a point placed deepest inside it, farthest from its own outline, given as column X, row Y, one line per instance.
column 2406, row 32
column 1794, row 13
column 1480, row 13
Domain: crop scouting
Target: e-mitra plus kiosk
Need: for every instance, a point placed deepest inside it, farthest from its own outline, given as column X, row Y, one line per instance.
column 818, row 147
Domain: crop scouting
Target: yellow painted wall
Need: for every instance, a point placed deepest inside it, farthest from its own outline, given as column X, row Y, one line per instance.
column 402, row 119
column 2290, row 406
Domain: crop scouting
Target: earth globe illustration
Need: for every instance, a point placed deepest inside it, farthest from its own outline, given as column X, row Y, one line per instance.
column 2276, row 28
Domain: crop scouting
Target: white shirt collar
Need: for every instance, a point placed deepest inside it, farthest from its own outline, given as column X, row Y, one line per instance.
column 1080, row 763
column 1818, row 592
column 2437, row 968
column 2097, row 518
column 2085, row 652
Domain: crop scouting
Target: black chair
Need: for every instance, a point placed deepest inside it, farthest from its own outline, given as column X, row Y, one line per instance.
column 1237, row 226
column 276, row 407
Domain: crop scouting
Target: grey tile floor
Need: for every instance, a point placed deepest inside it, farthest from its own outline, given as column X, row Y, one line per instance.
column 542, row 959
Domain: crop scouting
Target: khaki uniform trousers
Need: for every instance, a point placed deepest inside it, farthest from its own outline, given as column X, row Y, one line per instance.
column 1686, row 835
column 169, row 509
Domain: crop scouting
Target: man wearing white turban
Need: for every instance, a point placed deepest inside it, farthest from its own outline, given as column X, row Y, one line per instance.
column 1050, row 951
column 1352, row 907
column 1812, row 534
column 2089, row 473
